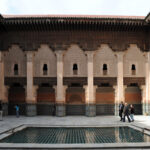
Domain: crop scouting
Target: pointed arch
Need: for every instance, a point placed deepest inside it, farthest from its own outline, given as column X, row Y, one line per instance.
column 104, row 55
column 15, row 55
column 134, row 58
column 75, row 55
column 44, row 55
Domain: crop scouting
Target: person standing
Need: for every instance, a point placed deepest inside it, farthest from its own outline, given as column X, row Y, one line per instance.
column 17, row 111
column 121, row 107
column 132, row 111
column 126, row 113
column 1, row 111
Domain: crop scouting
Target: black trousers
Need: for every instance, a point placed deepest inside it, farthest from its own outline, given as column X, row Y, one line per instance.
column 124, row 118
column 120, row 114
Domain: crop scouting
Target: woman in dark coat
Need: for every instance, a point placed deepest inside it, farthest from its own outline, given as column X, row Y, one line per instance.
column 132, row 111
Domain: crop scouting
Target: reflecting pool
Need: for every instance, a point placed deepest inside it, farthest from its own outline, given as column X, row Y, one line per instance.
column 76, row 135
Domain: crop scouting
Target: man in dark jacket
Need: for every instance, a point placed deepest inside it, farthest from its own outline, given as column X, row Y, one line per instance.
column 126, row 112
column 121, row 107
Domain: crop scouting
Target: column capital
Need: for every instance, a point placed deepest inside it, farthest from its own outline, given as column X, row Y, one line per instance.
column 125, row 86
column 89, row 52
column 119, row 55
column 142, row 87
column 90, row 55
column 115, row 87
column 85, row 87
column 29, row 55
column 147, row 56
column 59, row 55
column 59, row 52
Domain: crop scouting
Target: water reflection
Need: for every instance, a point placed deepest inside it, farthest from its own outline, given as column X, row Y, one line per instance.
column 77, row 135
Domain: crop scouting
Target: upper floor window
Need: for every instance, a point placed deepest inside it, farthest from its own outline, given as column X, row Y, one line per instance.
column 45, row 69
column 16, row 69
column 133, row 69
column 104, row 69
column 75, row 69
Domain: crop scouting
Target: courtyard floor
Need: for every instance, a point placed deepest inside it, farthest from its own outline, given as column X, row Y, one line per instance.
column 11, row 121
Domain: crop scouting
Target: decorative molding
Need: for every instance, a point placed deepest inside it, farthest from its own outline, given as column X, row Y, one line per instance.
column 40, row 80
column 73, row 80
column 11, row 80
column 139, row 80
column 86, row 40
column 100, row 80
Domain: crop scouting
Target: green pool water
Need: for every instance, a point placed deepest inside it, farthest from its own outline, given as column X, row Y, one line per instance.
column 55, row 135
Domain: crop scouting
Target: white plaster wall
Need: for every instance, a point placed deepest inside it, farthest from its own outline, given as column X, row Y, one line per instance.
column 45, row 55
column 134, row 56
column 15, row 56
column 75, row 55
column 104, row 55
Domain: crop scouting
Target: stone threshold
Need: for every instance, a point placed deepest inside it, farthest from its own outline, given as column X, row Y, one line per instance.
column 22, row 146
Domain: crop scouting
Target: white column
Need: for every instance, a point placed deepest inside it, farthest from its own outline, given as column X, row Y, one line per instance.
column 143, row 93
column 60, row 89
column 30, row 97
column 147, row 68
column 120, row 87
column 30, row 90
column 116, row 100
column 2, row 86
column 90, row 88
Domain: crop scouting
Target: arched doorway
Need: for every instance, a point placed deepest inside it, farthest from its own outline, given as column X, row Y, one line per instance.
column 45, row 99
column 75, row 101
column 16, row 96
column 133, row 96
column 105, row 99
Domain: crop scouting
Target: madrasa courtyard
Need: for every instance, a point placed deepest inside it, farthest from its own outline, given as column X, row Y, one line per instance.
column 68, row 74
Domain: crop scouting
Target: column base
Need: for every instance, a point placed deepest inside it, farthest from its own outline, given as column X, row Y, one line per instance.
column 60, row 110
column 149, row 109
column 146, row 109
column 5, row 109
column 31, row 110
column 90, row 110
column 116, row 109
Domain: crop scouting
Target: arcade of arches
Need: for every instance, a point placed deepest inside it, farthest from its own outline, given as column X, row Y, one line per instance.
column 74, row 65
column 89, row 91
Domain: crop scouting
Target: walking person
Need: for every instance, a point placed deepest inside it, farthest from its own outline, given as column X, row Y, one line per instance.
column 126, row 113
column 17, row 111
column 121, row 107
column 1, row 111
column 132, row 111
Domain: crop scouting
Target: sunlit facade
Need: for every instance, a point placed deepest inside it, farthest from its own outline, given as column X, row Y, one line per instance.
column 83, row 65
